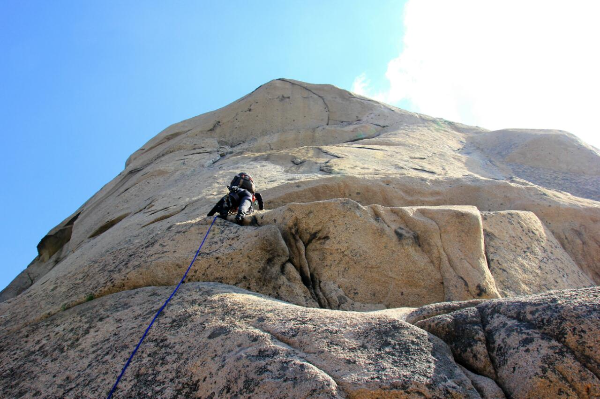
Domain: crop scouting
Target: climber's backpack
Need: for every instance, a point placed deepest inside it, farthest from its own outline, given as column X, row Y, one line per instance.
column 243, row 180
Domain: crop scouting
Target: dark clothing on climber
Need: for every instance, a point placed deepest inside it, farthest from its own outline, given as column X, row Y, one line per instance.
column 245, row 202
column 239, row 198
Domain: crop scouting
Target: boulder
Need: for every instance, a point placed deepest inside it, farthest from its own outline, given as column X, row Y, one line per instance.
column 332, row 254
column 352, row 257
column 214, row 341
column 524, row 256
column 537, row 346
column 574, row 222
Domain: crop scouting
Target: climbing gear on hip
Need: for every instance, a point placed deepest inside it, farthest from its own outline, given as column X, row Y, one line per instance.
column 236, row 201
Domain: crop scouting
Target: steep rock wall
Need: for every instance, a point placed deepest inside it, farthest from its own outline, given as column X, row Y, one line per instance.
column 368, row 207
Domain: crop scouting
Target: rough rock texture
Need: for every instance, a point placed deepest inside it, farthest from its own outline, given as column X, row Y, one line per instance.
column 367, row 257
column 574, row 222
column 486, row 387
column 309, row 143
column 220, row 341
column 539, row 346
column 368, row 207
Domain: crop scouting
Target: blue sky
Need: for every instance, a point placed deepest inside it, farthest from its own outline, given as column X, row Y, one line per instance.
column 83, row 84
column 86, row 83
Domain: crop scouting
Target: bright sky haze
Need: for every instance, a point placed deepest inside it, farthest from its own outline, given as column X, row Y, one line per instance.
column 498, row 64
column 86, row 83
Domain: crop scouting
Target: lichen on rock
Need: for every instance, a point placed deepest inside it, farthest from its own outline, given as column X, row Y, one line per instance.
column 380, row 225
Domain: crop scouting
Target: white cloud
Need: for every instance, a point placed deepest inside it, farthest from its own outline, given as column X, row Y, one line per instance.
column 499, row 64
column 361, row 86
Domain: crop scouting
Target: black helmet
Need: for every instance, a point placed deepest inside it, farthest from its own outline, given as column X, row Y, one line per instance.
column 242, row 174
column 243, row 180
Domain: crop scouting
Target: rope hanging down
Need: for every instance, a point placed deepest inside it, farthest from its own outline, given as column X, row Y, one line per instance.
column 157, row 313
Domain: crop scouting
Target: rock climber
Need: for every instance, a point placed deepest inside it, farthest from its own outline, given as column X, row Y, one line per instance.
column 242, row 194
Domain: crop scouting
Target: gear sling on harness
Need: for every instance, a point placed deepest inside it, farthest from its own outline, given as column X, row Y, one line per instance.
column 159, row 311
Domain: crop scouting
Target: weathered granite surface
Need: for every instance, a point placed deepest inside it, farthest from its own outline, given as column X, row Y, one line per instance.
column 536, row 346
column 221, row 341
column 368, row 208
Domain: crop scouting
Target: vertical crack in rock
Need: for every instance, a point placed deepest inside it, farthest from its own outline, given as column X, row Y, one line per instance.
column 487, row 345
column 444, row 256
column 30, row 279
column 463, row 332
column 309, row 90
column 322, row 299
column 487, row 336
column 299, row 260
column 487, row 236
column 316, row 286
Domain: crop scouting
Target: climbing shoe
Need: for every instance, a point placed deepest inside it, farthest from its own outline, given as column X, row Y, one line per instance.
column 239, row 219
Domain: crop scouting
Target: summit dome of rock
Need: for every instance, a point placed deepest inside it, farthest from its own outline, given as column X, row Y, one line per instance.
column 384, row 231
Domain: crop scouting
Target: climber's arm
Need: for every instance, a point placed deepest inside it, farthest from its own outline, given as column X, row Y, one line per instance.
column 216, row 208
column 260, row 201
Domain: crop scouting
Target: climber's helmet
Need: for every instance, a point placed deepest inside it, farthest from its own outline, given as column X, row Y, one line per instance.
column 243, row 180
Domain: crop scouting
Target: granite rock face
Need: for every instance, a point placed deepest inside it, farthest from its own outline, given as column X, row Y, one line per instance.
column 221, row 341
column 539, row 346
column 524, row 256
column 369, row 208
column 550, row 158
column 374, row 257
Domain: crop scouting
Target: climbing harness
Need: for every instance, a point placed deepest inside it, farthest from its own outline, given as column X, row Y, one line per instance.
column 157, row 313
column 229, row 203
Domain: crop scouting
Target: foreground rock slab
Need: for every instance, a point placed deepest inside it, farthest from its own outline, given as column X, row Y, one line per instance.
column 215, row 341
column 533, row 347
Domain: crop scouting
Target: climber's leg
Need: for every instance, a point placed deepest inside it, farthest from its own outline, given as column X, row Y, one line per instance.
column 244, row 207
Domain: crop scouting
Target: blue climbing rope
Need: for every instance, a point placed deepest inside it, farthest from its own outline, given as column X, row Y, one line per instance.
column 157, row 313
